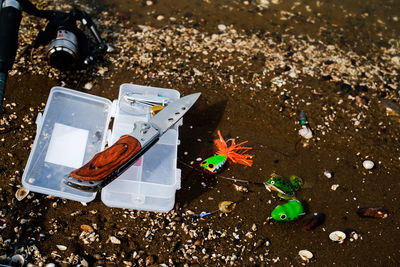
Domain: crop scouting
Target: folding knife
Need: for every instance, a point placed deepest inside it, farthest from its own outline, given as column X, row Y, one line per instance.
column 107, row 165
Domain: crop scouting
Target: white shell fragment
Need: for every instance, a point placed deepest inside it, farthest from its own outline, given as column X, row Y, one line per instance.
column 368, row 164
column 61, row 247
column 305, row 255
column 353, row 236
column 328, row 174
column 21, row 193
column 88, row 86
column 114, row 240
column 334, row 187
column 221, row 27
column 337, row 236
column 306, row 133
column 240, row 188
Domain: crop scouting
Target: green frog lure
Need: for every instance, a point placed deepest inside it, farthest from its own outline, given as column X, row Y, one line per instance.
column 286, row 189
column 235, row 153
column 290, row 211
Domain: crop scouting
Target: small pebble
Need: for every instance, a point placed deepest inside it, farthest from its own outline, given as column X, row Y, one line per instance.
column 368, row 164
column 334, row 187
column 221, row 27
column 88, row 86
column 61, row 247
column 328, row 174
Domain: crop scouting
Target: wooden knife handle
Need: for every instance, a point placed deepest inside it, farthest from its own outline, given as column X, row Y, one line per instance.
column 109, row 160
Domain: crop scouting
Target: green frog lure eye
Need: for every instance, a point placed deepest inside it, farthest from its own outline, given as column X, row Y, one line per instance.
column 286, row 189
column 235, row 153
column 289, row 211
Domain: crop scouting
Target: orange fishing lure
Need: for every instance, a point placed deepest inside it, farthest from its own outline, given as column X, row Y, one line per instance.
column 236, row 153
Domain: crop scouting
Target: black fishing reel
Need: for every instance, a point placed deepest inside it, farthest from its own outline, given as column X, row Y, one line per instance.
column 68, row 46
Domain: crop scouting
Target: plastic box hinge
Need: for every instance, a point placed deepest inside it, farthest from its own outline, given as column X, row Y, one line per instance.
column 114, row 108
column 109, row 137
column 178, row 175
column 39, row 121
column 113, row 113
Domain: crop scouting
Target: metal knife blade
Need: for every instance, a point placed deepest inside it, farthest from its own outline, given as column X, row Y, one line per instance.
column 107, row 165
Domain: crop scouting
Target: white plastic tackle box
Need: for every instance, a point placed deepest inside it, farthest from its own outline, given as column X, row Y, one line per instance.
column 75, row 126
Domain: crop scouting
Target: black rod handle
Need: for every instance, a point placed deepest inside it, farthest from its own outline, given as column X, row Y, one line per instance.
column 10, row 18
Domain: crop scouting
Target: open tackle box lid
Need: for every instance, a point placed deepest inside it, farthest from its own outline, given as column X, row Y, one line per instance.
column 75, row 126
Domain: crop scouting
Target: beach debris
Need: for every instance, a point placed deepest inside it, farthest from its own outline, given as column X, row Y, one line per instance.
column 61, row 247
column 114, row 240
column 303, row 118
column 240, row 188
column 334, row 187
column 286, row 189
column 373, row 212
column 368, row 164
column 241, row 181
column 305, row 255
column 392, row 109
column 223, row 206
column 305, row 130
column 351, row 234
column 21, row 193
column 337, row 236
column 328, row 174
column 88, row 86
column 289, row 211
column 87, row 228
column 17, row 260
column 313, row 221
column 306, row 133
column 221, row 27
column 235, row 153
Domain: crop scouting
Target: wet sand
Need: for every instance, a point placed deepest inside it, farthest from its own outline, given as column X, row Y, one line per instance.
column 336, row 62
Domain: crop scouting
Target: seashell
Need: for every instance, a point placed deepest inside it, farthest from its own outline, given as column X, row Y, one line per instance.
column 305, row 255
column 368, row 164
column 221, row 27
column 21, row 193
column 198, row 243
column 306, row 133
column 61, row 247
column 114, row 240
column 351, row 234
column 240, row 188
column 337, row 236
column 17, row 260
column 87, row 228
column 88, row 86
column 334, row 187
column 328, row 174
column 373, row 212
column 227, row 206
column 311, row 222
